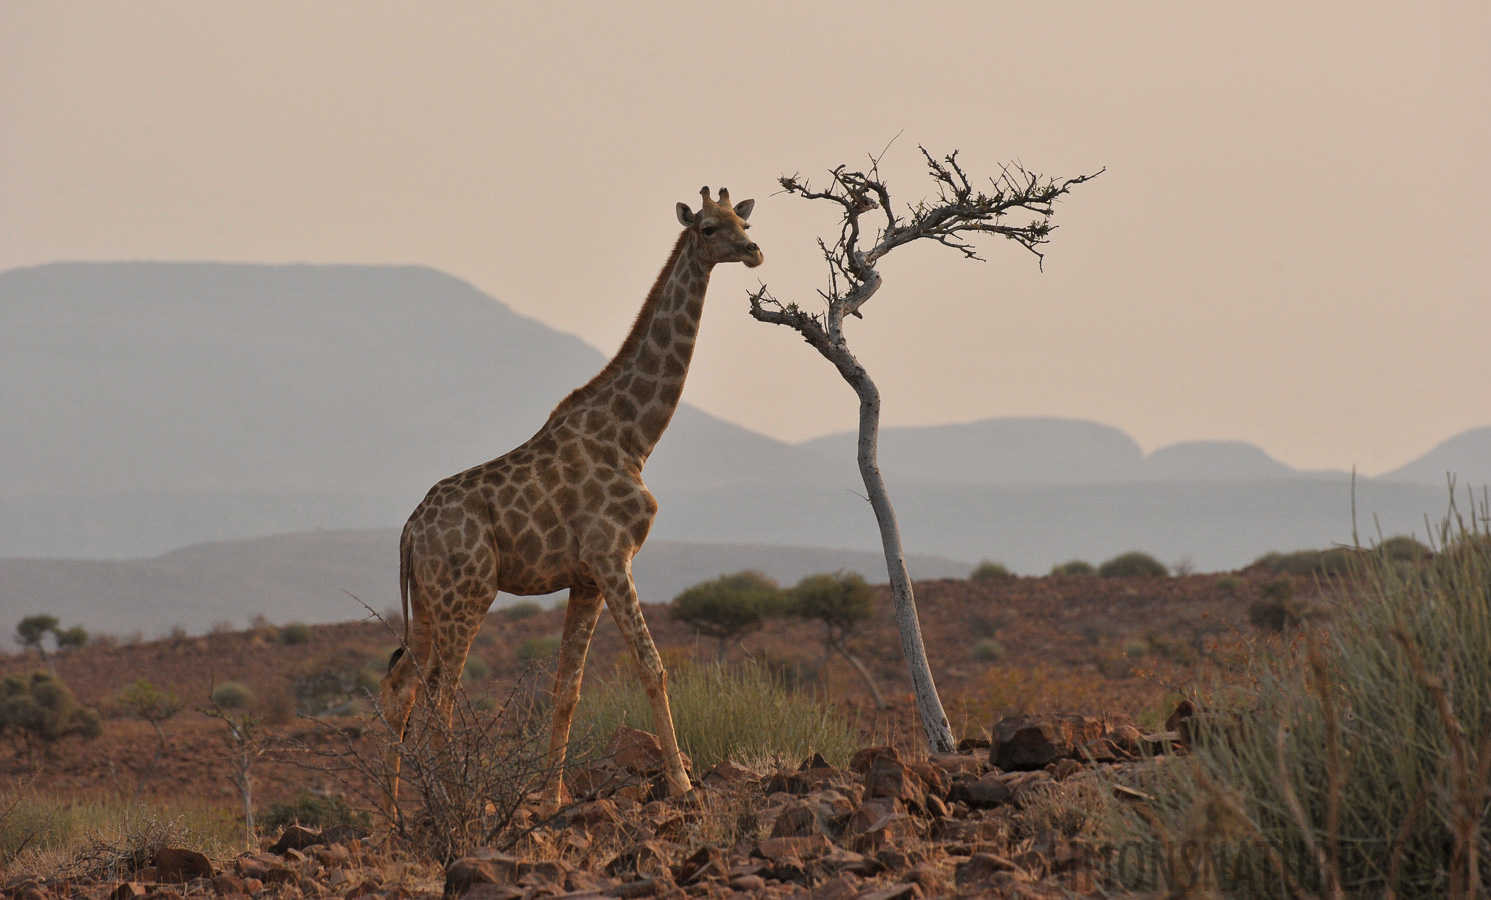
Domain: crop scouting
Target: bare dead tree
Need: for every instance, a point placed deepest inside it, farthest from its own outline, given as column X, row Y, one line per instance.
column 958, row 212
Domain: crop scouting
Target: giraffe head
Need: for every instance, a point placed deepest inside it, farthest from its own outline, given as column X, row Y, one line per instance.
column 721, row 229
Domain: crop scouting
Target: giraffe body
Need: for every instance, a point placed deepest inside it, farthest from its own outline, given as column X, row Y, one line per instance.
column 566, row 509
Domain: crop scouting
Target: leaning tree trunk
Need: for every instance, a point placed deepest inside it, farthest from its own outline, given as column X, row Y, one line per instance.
column 928, row 704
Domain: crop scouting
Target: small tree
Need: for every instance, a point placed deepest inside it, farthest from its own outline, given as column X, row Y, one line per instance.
column 958, row 212
column 842, row 602
column 729, row 607
column 149, row 703
column 246, row 743
column 33, row 630
column 73, row 638
column 37, row 710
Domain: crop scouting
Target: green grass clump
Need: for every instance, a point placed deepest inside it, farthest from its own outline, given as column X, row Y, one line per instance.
column 1335, row 561
column 101, row 836
column 537, row 648
column 743, row 713
column 312, row 811
column 233, row 695
column 1355, row 759
column 1074, row 567
column 987, row 650
column 988, row 570
column 517, row 612
column 295, row 633
column 1133, row 565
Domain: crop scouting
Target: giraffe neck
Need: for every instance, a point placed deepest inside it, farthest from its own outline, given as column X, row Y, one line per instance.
column 640, row 387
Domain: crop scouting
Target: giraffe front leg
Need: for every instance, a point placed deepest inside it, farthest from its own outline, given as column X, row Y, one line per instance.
column 626, row 609
column 581, row 615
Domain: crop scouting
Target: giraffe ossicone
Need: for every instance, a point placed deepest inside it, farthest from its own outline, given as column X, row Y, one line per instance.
column 566, row 509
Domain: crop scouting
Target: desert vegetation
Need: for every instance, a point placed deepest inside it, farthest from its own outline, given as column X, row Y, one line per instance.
column 1332, row 722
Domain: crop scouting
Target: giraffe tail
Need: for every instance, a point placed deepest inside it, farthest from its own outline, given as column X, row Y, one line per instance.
column 405, row 551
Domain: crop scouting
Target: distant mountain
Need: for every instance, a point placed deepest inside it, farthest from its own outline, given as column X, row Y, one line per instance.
column 1030, row 452
column 147, row 405
column 1009, row 451
column 1212, row 461
column 314, row 577
column 1466, row 455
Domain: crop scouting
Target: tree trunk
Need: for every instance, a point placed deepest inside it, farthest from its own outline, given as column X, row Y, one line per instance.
column 928, row 704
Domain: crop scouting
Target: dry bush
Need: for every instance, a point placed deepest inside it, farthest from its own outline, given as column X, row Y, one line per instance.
column 1357, row 761
column 460, row 786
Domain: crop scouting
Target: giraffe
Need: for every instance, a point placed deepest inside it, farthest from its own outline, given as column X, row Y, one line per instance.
column 567, row 508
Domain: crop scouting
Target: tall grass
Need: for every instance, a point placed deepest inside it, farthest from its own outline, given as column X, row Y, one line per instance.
column 1354, row 764
column 743, row 713
column 49, row 834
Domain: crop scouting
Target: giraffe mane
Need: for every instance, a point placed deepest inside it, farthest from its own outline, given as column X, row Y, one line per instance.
column 633, row 338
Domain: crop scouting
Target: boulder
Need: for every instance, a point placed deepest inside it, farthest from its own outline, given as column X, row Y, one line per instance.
column 1023, row 743
column 486, row 868
column 177, row 864
column 985, row 793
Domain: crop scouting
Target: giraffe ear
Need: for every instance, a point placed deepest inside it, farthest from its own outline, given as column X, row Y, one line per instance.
column 685, row 215
column 744, row 207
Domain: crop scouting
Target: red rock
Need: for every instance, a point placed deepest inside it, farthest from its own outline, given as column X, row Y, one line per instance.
column 797, row 820
column 638, row 751
column 1033, row 742
column 296, row 837
column 981, row 867
column 905, row 890
column 177, row 864
column 706, row 862
column 487, row 868
column 225, row 885
column 129, row 890
column 1063, row 769
column 648, row 858
column 863, row 759
column 889, row 777
column 728, row 772
column 986, row 793
column 793, row 849
column 958, row 763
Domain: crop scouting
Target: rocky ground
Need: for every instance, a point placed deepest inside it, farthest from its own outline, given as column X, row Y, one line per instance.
column 1095, row 661
column 1008, row 817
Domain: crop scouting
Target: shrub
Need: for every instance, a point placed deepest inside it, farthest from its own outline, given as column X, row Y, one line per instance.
column 335, row 684
column 517, row 612
column 1228, row 584
column 1074, row 567
column 1133, row 565
column 476, row 669
column 32, row 629
column 312, row 811
column 1277, row 609
column 1353, row 759
column 740, row 713
column 72, row 638
column 1404, row 548
column 233, row 695
column 537, row 648
column 1336, row 561
column 842, row 602
column 37, row 710
column 729, row 607
column 295, row 633
column 987, row 650
column 988, row 570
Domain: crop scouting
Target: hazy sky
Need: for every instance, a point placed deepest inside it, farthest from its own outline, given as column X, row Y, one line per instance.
column 1289, row 246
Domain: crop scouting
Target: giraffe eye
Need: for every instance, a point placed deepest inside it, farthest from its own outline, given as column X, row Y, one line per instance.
column 707, row 230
